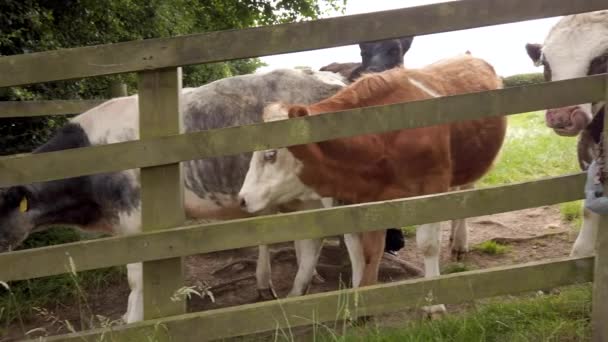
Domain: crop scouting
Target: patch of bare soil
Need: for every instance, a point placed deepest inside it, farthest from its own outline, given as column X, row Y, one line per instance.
column 532, row 234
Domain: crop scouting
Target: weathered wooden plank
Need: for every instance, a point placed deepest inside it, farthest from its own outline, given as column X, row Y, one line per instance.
column 337, row 305
column 599, row 315
column 14, row 109
column 162, row 196
column 234, row 234
column 233, row 140
column 211, row 47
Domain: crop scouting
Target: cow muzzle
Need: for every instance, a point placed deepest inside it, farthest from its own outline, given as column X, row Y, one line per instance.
column 252, row 204
column 567, row 121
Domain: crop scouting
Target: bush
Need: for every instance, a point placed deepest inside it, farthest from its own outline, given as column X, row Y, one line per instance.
column 523, row 79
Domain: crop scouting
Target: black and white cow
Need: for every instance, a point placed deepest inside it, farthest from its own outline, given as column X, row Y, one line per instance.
column 111, row 202
column 577, row 46
column 376, row 56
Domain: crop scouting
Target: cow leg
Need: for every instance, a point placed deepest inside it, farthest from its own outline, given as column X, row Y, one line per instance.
column 357, row 259
column 263, row 274
column 308, row 251
column 459, row 238
column 585, row 241
column 428, row 239
column 135, row 303
column 316, row 277
column 373, row 249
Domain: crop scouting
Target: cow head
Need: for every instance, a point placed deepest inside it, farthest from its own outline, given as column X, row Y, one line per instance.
column 576, row 46
column 31, row 208
column 94, row 202
column 381, row 55
column 16, row 219
column 273, row 176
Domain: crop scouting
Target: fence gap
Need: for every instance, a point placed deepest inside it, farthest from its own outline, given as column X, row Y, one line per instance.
column 162, row 198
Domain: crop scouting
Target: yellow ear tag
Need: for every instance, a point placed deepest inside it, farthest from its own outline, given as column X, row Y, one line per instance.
column 23, row 205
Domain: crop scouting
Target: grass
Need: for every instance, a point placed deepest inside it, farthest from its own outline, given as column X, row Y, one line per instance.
column 491, row 247
column 571, row 212
column 562, row 317
column 455, row 267
column 532, row 151
column 25, row 297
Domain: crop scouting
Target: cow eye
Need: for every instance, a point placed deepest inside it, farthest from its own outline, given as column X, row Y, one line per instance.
column 270, row 156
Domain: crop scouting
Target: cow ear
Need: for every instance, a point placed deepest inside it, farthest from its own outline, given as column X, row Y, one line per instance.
column 298, row 111
column 534, row 51
column 406, row 43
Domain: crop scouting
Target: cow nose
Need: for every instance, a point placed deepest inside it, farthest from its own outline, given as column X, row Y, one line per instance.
column 243, row 203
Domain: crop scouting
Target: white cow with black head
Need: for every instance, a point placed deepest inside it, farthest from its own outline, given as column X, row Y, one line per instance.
column 111, row 202
column 577, row 46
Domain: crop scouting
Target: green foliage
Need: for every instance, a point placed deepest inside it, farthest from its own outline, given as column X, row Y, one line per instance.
column 40, row 25
column 491, row 247
column 455, row 267
column 523, row 79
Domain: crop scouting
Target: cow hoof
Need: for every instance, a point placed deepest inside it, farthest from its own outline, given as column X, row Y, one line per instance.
column 267, row 294
column 434, row 312
column 459, row 254
column 125, row 319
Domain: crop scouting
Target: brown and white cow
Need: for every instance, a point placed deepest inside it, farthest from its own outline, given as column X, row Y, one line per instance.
column 376, row 167
column 577, row 46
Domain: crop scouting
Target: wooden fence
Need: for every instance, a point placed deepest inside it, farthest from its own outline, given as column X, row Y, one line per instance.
column 162, row 147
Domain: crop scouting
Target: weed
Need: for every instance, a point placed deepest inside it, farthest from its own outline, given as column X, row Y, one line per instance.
column 455, row 267
column 491, row 247
column 409, row 231
column 571, row 212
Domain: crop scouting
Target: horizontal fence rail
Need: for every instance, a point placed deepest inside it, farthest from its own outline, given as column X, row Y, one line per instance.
column 17, row 109
column 205, row 238
column 226, row 141
column 352, row 303
column 211, row 47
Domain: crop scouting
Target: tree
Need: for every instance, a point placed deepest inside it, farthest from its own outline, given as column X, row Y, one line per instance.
column 39, row 25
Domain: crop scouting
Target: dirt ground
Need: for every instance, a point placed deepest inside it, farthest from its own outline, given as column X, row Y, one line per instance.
column 538, row 234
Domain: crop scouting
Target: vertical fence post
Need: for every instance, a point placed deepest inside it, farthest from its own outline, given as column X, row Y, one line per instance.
column 118, row 89
column 161, row 187
column 599, row 317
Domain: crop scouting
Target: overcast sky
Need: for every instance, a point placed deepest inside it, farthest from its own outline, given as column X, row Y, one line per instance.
column 501, row 45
